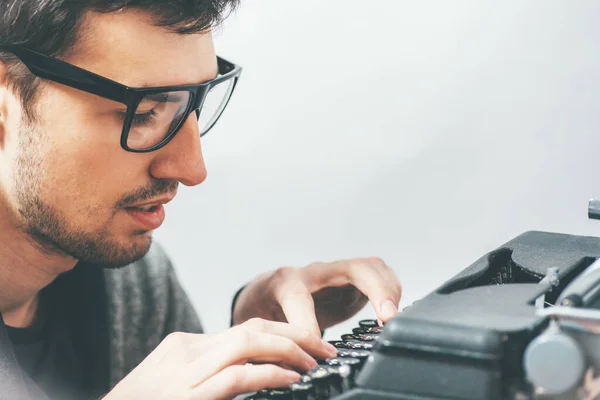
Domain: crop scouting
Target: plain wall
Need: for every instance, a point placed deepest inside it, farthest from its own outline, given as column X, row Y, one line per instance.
column 423, row 132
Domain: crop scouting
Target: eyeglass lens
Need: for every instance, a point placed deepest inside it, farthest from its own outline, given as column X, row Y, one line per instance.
column 159, row 114
column 155, row 117
column 214, row 104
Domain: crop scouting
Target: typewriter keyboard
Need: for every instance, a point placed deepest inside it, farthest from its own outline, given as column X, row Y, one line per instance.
column 334, row 375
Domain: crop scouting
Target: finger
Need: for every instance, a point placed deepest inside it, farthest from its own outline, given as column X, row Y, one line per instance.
column 245, row 346
column 395, row 287
column 298, row 306
column 295, row 299
column 284, row 366
column 391, row 277
column 383, row 295
column 241, row 379
column 371, row 276
column 389, row 308
column 306, row 339
column 318, row 275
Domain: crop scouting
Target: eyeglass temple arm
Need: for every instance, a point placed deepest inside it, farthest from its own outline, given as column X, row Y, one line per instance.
column 61, row 72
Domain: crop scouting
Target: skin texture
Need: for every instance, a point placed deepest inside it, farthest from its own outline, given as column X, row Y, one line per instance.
column 65, row 182
column 52, row 212
column 321, row 295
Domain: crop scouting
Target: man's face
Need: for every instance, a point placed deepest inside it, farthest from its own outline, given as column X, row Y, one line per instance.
column 65, row 180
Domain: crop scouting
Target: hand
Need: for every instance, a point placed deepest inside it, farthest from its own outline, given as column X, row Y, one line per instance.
column 322, row 294
column 250, row 357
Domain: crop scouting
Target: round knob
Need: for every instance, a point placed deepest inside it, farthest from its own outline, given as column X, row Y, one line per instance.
column 554, row 362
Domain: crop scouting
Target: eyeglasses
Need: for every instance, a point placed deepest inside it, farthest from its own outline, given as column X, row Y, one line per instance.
column 154, row 115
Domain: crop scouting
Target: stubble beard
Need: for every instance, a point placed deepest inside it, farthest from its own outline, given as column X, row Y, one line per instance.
column 48, row 228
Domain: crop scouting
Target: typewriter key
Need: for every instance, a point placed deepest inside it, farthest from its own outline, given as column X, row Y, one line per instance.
column 368, row 323
column 266, row 394
column 320, row 361
column 338, row 344
column 359, row 345
column 362, row 355
column 339, row 379
column 280, row 394
column 344, row 353
column 353, row 362
column 348, row 336
column 321, row 381
column 362, row 330
column 368, row 337
column 302, row 391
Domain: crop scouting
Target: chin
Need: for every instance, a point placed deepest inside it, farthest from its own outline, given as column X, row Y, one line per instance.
column 138, row 243
column 121, row 253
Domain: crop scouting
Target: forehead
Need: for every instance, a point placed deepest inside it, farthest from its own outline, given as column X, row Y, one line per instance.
column 126, row 47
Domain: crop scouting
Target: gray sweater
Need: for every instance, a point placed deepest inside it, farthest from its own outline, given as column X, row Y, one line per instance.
column 145, row 304
column 121, row 314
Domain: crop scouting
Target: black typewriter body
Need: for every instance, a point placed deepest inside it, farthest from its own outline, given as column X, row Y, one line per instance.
column 500, row 329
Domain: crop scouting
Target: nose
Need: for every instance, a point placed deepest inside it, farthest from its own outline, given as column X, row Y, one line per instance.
column 181, row 159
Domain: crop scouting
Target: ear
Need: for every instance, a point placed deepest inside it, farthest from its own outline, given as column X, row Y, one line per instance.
column 3, row 99
column 3, row 69
column 3, row 73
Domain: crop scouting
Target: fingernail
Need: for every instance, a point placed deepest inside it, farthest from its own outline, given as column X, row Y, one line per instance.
column 389, row 309
column 309, row 361
column 293, row 376
column 329, row 348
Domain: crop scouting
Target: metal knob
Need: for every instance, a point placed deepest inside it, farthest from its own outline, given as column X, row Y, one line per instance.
column 554, row 362
column 594, row 209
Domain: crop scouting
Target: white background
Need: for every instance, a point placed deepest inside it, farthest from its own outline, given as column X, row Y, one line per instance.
column 423, row 132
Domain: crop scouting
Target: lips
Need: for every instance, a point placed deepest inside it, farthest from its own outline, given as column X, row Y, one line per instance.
column 149, row 215
column 149, row 220
column 148, row 208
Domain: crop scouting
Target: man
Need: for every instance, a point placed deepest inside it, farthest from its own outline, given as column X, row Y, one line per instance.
column 89, row 308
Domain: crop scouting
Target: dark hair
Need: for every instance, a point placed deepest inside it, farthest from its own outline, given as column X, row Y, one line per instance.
column 51, row 27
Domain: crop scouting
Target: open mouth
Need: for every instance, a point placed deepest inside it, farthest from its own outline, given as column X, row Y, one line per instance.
column 150, row 217
column 151, row 208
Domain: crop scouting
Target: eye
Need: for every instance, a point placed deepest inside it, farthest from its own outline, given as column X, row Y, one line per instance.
column 139, row 119
column 143, row 118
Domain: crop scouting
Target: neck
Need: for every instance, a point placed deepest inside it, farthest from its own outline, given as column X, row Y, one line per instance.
column 25, row 269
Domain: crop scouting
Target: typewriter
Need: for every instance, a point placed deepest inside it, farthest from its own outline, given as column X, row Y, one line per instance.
column 522, row 322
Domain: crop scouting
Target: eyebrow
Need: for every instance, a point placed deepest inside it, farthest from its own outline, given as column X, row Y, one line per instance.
column 213, row 77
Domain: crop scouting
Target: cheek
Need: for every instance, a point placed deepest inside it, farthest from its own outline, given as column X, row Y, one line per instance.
column 87, row 167
column 86, row 178
column 10, row 148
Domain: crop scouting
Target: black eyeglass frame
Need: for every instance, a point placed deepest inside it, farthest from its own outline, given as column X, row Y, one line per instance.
column 59, row 71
